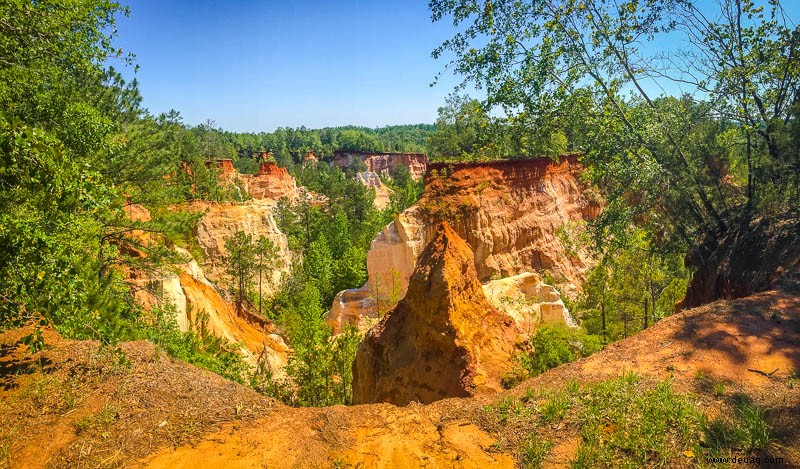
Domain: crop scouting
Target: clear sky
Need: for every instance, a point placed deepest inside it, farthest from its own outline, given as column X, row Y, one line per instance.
column 257, row 65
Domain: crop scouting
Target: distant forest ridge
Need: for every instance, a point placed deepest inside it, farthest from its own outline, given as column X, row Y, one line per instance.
column 286, row 142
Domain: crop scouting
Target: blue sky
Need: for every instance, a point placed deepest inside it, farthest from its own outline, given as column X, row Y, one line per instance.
column 258, row 65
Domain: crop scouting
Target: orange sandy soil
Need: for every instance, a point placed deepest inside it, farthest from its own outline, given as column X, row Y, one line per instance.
column 71, row 406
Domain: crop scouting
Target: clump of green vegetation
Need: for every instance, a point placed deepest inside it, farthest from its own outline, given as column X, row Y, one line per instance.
column 535, row 451
column 508, row 409
column 50, row 394
column 555, row 407
column 98, row 422
column 793, row 380
column 550, row 346
column 748, row 429
column 627, row 422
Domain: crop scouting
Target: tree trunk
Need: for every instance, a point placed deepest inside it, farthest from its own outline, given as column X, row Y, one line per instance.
column 603, row 316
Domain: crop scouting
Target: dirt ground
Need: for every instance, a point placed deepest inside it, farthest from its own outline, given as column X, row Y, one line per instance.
column 72, row 406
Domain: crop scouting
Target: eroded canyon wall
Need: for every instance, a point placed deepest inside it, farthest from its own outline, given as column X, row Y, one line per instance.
column 198, row 286
column 383, row 163
column 509, row 212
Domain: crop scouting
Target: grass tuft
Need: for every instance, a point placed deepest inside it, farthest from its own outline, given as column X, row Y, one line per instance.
column 749, row 429
column 535, row 451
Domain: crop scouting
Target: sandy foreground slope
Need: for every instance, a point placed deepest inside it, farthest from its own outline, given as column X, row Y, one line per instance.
column 71, row 406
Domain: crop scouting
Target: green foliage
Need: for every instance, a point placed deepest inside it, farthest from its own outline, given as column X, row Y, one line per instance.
column 333, row 240
column 290, row 146
column 197, row 346
column 632, row 287
column 320, row 368
column 356, row 140
column 76, row 153
column 250, row 261
column 555, row 407
column 507, row 409
column 748, row 429
column 627, row 424
column 679, row 168
column 465, row 130
column 97, row 422
column 535, row 451
column 240, row 263
column 549, row 347
column 554, row 345
column 405, row 190
column 626, row 421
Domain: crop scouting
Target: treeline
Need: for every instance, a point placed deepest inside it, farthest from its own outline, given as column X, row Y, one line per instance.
column 289, row 146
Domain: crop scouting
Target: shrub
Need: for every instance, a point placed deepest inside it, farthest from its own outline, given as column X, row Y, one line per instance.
column 552, row 346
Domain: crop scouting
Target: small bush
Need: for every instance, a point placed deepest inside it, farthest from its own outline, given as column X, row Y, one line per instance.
column 550, row 347
column 508, row 409
column 555, row 407
column 556, row 345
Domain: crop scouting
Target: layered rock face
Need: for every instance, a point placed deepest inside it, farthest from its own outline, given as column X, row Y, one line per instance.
column 223, row 167
column 510, row 214
column 442, row 340
column 197, row 301
column 749, row 257
column 196, row 291
column 221, row 221
column 271, row 182
column 528, row 301
column 384, row 163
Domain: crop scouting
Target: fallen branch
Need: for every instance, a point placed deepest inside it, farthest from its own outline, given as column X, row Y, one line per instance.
column 768, row 375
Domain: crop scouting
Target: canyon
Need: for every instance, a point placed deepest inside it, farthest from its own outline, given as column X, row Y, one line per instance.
column 513, row 214
column 509, row 214
column 456, row 283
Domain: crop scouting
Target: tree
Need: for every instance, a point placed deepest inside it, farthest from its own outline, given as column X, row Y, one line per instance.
column 318, row 266
column 240, row 262
column 462, row 131
column 592, row 61
column 60, row 111
column 356, row 140
column 634, row 284
column 266, row 259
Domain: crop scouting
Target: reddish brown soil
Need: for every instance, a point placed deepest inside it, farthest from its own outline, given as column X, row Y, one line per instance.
column 54, row 407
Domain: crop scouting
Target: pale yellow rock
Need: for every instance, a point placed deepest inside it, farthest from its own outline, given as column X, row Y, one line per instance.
column 382, row 193
column 528, row 301
column 255, row 217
